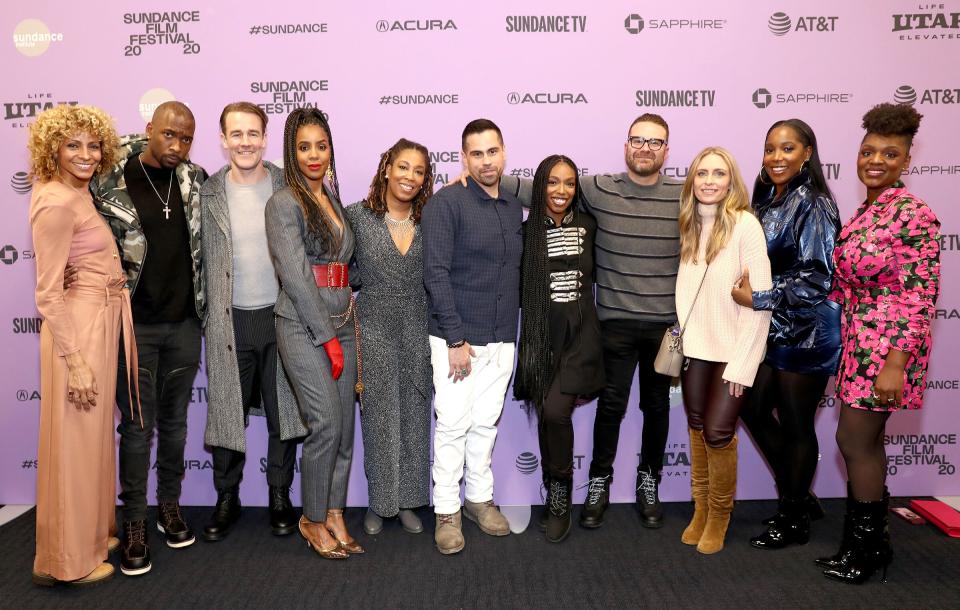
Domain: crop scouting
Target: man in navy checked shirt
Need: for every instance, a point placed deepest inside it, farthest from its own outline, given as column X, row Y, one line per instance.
column 472, row 244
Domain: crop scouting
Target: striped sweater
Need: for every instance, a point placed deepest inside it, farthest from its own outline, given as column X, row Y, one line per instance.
column 637, row 247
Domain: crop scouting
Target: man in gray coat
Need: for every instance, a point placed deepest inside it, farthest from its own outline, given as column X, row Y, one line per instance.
column 243, row 372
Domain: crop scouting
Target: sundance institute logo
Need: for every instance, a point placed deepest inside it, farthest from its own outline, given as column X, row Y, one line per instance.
column 633, row 23
column 905, row 94
column 779, row 24
column 150, row 100
column 20, row 183
column 32, row 37
column 527, row 463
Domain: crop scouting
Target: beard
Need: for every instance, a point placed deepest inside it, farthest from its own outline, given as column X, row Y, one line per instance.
column 644, row 170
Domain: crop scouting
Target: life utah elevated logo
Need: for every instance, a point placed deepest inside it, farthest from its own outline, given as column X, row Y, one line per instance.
column 926, row 22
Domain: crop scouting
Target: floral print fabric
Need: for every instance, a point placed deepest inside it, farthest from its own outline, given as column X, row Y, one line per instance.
column 887, row 279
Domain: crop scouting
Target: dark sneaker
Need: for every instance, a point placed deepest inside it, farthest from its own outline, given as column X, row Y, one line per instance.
column 172, row 525
column 225, row 514
column 598, row 499
column 135, row 558
column 648, row 498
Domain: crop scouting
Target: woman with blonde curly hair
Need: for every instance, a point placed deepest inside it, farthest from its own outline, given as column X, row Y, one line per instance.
column 79, row 339
column 723, row 342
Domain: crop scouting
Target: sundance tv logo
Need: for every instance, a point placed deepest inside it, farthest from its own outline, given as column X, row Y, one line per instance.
column 780, row 24
column 634, row 24
column 416, row 25
column 762, row 97
column 516, row 97
column 670, row 98
column 905, row 94
column 546, row 23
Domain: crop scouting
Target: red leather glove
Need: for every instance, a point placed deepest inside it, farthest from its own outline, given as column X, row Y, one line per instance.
column 335, row 354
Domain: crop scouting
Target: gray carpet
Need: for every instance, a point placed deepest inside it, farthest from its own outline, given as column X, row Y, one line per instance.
column 620, row 565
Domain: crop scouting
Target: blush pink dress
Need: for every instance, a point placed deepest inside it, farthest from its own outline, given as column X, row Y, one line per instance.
column 76, row 473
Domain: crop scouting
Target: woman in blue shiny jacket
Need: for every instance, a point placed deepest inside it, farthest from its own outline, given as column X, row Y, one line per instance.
column 801, row 221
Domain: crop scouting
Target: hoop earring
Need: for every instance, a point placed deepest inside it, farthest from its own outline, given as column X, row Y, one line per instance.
column 761, row 175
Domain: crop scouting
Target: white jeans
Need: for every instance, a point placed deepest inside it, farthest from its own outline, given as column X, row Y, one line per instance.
column 467, row 414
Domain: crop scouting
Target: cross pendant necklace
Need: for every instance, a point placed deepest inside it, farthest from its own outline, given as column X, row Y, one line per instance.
column 166, row 203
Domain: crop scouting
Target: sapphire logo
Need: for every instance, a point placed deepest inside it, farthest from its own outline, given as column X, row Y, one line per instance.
column 779, row 24
column 633, row 23
column 905, row 94
column 527, row 463
column 20, row 183
column 9, row 255
column 762, row 98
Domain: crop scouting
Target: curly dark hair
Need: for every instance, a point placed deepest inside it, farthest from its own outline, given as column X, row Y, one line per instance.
column 536, row 362
column 893, row 120
column 318, row 224
column 376, row 200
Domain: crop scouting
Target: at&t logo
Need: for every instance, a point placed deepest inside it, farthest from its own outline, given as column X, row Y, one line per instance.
column 415, row 25
column 20, row 183
column 905, row 94
column 780, row 24
column 527, row 463
column 633, row 23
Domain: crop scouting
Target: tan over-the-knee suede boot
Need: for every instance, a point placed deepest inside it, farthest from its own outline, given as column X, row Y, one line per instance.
column 722, row 467
column 698, row 487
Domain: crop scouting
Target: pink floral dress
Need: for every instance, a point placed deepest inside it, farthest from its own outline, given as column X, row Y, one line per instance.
column 887, row 279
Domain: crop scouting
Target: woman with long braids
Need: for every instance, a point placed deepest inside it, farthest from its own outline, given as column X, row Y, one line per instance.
column 801, row 221
column 887, row 280
column 311, row 244
column 560, row 357
column 392, row 312
column 723, row 342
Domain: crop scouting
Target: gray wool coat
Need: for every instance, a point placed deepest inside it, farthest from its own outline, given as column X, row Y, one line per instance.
column 225, row 422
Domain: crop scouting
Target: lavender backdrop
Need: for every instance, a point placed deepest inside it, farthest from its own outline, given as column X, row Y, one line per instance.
column 720, row 75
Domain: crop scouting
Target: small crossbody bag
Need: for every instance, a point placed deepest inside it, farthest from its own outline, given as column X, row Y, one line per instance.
column 669, row 358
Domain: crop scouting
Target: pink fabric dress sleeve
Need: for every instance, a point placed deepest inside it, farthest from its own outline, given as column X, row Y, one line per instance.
column 917, row 253
column 52, row 219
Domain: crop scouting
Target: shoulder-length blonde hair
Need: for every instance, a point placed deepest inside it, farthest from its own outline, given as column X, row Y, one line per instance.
column 731, row 207
column 55, row 125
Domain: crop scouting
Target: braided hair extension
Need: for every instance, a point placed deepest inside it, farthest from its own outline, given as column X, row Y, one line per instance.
column 376, row 200
column 318, row 224
column 536, row 364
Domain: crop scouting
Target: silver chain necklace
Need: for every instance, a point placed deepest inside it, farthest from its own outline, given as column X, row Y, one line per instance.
column 399, row 227
column 166, row 204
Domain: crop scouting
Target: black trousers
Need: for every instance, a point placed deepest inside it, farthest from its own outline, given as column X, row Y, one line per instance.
column 555, row 432
column 255, row 341
column 169, row 356
column 630, row 345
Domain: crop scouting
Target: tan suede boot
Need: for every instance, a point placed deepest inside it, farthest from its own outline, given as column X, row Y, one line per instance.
column 698, row 488
column 722, row 467
column 448, row 535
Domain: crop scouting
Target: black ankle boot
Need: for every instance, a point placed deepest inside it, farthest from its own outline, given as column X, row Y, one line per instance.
column 648, row 498
column 135, row 559
column 869, row 544
column 598, row 499
column 792, row 526
column 225, row 514
column 283, row 519
column 812, row 504
column 542, row 521
column 558, row 515
column 840, row 557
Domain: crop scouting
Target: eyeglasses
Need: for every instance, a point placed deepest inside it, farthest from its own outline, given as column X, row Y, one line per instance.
column 653, row 143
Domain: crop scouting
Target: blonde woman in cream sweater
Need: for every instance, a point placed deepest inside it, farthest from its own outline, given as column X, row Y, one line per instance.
column 723, row 343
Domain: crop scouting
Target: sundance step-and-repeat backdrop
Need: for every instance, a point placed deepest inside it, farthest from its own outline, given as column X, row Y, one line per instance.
column 557, row 77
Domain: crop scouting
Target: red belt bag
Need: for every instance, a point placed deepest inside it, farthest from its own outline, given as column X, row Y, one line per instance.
column 331, row 275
